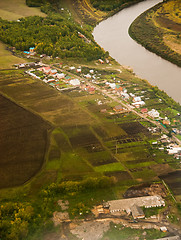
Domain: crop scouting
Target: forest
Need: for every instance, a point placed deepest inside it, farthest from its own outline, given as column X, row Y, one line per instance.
column 54, row 36
column 109, row 5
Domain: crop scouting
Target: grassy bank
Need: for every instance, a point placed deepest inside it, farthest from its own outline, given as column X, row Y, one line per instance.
column 159, row 32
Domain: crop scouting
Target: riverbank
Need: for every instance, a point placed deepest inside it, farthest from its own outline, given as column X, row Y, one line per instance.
column 159, row 32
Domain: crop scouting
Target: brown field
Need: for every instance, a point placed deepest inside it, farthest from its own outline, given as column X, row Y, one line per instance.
column 23, row 141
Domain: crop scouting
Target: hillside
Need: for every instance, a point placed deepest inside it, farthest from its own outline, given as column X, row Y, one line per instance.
column 159, row 30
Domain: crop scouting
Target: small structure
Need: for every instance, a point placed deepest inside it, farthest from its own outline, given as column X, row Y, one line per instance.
column 101, row 61
column 75, row 82
column 53, row 71
column 31, row 50
column 154, row 113
column 144, row 110
column 137, row 99
column 79, row 70
column 118, row 108
column 60, row 75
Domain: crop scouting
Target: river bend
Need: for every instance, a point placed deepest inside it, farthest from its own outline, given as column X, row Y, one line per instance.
column 112, row 35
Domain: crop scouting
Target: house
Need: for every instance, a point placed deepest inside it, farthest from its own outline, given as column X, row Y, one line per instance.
column 75, row 82
column 137, row 99
column 153, row 113
column 79, row 70
column 101, row 61
column 125, row 95
column 144, row 110
column 91, row 90
column 31, row 49
column 87, row 75
column 46, row 70
column 60, row 75
column 118, row 88
column 91, row 71
column 72, row 68
column 166, row 122
column 118, row 108
column 137, row 212
column 138, row 104
column 53, row 72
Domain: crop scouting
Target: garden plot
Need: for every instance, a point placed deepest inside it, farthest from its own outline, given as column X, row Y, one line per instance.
column 119, row 175
column 81, row 136
column 173, row 180
column 134, row 128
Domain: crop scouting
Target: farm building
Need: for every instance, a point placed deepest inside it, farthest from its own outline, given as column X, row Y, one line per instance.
column 137, row 212
column 127, row 204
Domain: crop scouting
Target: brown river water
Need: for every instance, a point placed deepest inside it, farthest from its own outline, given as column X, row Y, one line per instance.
column 112, row 35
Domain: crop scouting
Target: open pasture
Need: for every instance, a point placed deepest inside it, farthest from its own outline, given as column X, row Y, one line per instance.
column 23, row 142
column 15, row 9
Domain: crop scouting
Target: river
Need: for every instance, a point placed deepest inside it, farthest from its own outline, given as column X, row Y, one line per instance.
column 112, row 35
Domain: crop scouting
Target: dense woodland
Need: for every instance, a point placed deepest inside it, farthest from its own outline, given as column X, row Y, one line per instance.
column 109, row 5
column 52, row 36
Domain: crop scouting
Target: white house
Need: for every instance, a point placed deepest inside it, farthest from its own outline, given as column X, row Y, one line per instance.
column 137, row 99
column 153, row 113
column 75, row 82
column 60, row 75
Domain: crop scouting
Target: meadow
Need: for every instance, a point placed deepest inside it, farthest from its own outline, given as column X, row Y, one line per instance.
column 13, row 10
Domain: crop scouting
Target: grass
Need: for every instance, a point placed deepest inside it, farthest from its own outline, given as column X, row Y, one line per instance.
column 7, row 60
column 110, row 167
column 15, row 9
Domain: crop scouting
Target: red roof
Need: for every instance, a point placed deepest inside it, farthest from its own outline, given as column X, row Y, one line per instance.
column 144, row 110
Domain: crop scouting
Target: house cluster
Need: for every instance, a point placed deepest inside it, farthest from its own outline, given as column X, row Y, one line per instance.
column 58, row 80
column 133, row 205
column 31, row 52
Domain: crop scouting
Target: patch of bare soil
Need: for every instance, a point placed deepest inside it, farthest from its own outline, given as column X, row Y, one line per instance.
column 142, row 190
column 92, row 230
column 173, row 45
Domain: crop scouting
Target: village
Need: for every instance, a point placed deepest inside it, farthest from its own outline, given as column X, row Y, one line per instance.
column 131, row 96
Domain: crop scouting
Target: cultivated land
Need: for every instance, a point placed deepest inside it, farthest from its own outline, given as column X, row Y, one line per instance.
column 13, row 10
column 159, row 30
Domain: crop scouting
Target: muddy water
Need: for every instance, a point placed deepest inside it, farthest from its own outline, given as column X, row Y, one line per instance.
column 112, row 35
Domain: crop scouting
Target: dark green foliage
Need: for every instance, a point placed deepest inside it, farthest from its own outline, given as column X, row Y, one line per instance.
column 52, row 36
column 109, row 5
column 146, row 33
